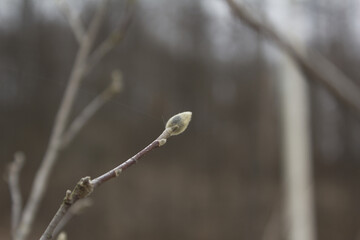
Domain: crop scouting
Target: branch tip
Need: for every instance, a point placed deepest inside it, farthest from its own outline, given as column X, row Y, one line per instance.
column 178, row 123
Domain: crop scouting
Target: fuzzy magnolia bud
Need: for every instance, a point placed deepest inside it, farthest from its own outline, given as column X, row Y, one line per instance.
column 179, row 123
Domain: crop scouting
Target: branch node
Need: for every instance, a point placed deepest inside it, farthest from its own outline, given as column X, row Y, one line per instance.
column 82, row 189
column 67, row 199
column 118, row 172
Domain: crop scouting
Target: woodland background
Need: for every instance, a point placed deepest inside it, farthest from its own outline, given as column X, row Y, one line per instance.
column 221, row 179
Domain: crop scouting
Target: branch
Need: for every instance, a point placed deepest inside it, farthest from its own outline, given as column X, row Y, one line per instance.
column 111, row 41
column 42, row 176
column 89, row 111
column 15, row 193
column 75, row 23
column 96, row 22
column 51, row 155
column 176, row 125
column 314, row 65
column 76, row 209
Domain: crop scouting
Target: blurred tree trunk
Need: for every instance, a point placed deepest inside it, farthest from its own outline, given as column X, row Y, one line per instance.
column 297, row 176
column 296, row 147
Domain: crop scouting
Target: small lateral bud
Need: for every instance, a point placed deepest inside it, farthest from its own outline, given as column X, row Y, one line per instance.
column 162, row 142
column 67, row 198
column 117, row 172
column 179, row 123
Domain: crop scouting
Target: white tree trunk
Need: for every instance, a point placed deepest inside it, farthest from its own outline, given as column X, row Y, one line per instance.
column 297, row 166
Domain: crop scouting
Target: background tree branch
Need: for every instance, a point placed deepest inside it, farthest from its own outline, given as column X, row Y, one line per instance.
column 43, row 174
column 113, row 39
column 75, row 23
column 96, row 23
column 90, row 110
column 313, row 64
column 14, row 187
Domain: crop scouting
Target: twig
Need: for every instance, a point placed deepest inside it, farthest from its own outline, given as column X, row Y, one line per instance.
column 42, row 176
column 131, row 161
column 176, row 125
column 314, row 65
column 15, row 193
column 76, row 209
column 96, row 22
column 75, row 22
column 110, row 42
column 90, row 110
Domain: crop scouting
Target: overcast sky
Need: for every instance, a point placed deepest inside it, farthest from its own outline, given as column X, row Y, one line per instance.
column 289, row 17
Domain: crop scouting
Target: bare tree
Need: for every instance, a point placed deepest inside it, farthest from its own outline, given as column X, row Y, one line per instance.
column 86, row 58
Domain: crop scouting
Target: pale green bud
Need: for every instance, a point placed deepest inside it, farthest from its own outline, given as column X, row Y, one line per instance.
column 179, row 123
column 162, row 142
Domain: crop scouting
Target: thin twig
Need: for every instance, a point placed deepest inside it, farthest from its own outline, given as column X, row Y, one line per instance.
column 111, row 41
column 86, row 186
column 113, row 173
column 96, row 22
column 89, row 185
column 51, row 155
column 15, row 193
column 90, row 110
column 313, row 64
column 75, row 23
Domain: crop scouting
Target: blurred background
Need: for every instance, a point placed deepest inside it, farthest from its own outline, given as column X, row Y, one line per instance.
column 224, row 177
